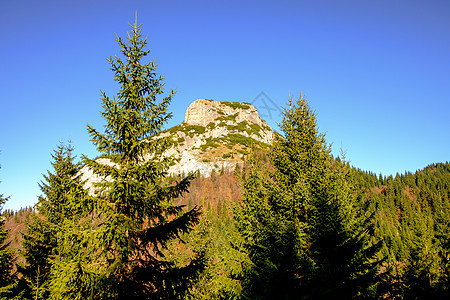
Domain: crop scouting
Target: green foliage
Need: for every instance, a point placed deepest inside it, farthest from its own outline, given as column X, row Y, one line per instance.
column 190, row 130
column 232, row 139
column 209, row 143
column 255, row 129
column 301, row 225
column 225, row 118
column 241, row 126
column 344, row 249
column 217, row 236
column 7, row 278
column 237, row 105
column 412, row 218
column 134, row 216
column 250, row 129
column 270, row 240
column 64, row 200
column 177, row 141
column 243, row 152
column 239, row 139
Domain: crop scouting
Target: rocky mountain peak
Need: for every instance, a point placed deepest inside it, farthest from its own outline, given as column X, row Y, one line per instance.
column 202, row 112
column 214, row 136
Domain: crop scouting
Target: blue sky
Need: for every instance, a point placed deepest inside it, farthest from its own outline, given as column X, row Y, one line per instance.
column 376, row 72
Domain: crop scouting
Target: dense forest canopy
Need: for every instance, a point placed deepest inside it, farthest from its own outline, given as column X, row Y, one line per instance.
column 293, row 222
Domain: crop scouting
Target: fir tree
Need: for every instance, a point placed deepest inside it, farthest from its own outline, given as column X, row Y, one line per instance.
column 63, row 199
column 341, row 256
column 218, row 238
column 305, row 234
column 343, row 247
column 412, row 219
column 134, row 215
column 273, row 239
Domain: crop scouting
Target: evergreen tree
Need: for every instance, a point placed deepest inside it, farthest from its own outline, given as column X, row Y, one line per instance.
column 6, row 259
column 63, row 198
column 340, row 259
column 442, row 234
column 343, row 247
column 9, row 285
column 305, row 234
column 422, row 257
column 217, row 237
column 269, row 240
column 412, row 219
column 134, row 216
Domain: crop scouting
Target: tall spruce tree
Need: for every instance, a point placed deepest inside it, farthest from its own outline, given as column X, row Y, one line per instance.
column 343, row 248
column 136, row 216
column 312, row 241
column 63, row 198
column 271, row 239
column 341, row 256
column 300, row 157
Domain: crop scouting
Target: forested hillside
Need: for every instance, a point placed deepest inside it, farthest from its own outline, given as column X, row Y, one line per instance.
column 290, row 221
column 411, row 218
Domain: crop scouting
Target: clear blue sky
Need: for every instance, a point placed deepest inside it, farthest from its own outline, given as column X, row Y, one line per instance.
column 376, row 72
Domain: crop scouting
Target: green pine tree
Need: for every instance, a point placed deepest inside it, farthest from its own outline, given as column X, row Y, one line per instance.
column 134, row 217
column 305, row 234
column 216, row 236
column 272, row 240
column 63, row 198
column 412, row 219
column 422, row 262
column 344, row 250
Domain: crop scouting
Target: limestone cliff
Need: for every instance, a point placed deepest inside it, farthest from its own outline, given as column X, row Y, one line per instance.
column 214, row 136
column 202, row 112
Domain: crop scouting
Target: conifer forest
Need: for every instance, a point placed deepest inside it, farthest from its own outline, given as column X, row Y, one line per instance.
column 292, row 222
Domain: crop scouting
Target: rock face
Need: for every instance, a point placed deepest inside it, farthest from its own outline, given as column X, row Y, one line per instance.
column 88, row 177
column 202, row 112
column 214, row 136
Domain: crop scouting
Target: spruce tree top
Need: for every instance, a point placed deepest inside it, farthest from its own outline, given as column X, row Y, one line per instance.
column 134, row 115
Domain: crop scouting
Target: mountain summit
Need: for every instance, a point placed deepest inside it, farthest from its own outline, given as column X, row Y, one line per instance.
column 202, row 112
column 216, row 135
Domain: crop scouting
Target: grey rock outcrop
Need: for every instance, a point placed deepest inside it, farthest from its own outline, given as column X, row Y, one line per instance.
column 202, row 112
column 214, row 136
